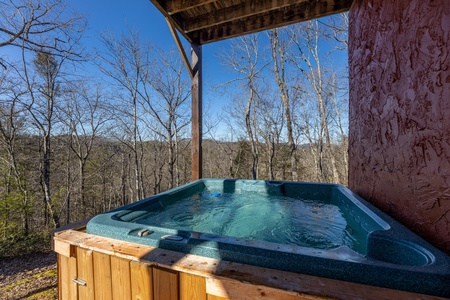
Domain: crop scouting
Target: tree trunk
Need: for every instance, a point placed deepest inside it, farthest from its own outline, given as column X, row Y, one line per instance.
column 123, row 183
column 271, row 150
column 171, row 160
column 46, row 181
column 324, row 122
column 68, row 183
column 250, row 134
column 137, row 176
column 82, row 167
column 278, row 56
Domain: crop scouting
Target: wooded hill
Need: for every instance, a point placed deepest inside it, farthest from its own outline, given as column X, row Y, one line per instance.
column 108, row 179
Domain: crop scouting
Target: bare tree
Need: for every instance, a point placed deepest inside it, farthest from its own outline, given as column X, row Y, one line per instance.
column 219, row 150
column 337, row 101
column 158, row 159
column 337, row 30
column 168, row 105
column 308, row 123
column 307, row 37
column 44, row 89
column 42, row 26
column 244, row 58
column 47, row 35
column 280, row 47
column 126, row 62
column 11, row 122
column 85, row 117
column 270, row 126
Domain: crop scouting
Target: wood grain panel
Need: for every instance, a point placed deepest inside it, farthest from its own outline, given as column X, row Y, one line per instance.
column 85, row 270
column 102, row 244
column 175, row 6
column 73, row 287
column 120, row 274
column 62, row 248
column 63, row 277
column 165, row 284
column 235, row 12
column 225, row 288
column 141, row 281
column 102, row 276
column 212, row 297
column 192, row 287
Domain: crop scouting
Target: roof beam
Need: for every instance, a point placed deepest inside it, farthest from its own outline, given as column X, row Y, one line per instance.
column 304, row 11
column 180, row 47
column 161, row 6
column 243, row 10
column 176, row 6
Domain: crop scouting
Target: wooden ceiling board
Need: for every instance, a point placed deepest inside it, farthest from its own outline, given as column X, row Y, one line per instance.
column 207, row 21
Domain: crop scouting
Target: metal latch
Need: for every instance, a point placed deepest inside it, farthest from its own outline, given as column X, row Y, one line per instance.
column 79, row 281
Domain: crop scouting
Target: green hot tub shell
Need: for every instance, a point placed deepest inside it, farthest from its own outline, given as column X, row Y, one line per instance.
column 391, row 256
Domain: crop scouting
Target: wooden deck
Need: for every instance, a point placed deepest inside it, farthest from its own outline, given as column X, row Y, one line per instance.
column 93, row 267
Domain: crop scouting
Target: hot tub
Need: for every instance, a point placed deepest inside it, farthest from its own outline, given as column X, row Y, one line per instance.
column 307, row 228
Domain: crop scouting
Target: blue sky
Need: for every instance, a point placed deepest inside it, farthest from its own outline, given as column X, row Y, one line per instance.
column 141, row 15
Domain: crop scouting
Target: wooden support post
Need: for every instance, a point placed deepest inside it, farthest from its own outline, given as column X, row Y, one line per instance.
column 197, row 87
column 180, row 47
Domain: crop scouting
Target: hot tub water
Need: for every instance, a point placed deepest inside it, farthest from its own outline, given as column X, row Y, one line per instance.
column 257, row 216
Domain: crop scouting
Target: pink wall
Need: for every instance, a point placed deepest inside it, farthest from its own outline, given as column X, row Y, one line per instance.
column 399, row 139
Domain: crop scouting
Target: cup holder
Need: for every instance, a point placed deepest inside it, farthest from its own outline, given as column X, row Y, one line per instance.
column 399, row 252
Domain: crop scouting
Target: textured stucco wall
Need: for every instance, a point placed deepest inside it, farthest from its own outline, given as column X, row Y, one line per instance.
column 399, row 139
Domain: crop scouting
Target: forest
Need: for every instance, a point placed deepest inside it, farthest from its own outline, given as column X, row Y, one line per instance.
column 83, row 131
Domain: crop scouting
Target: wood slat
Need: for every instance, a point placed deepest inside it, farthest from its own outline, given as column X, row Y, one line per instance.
column 212, row 297
column 141, row 281
column 236, row 289
column 102, row 276
column 102, row 244
column 63, row 277
column 243, row 10
column 165, row 284
column 73, row 287
column 63, row 247
column 176, row 6
column 296, row 13
column 120, row 275
column 192, row 287
column 85, row 271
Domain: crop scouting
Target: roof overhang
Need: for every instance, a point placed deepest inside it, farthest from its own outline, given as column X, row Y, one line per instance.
column 207, row 21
